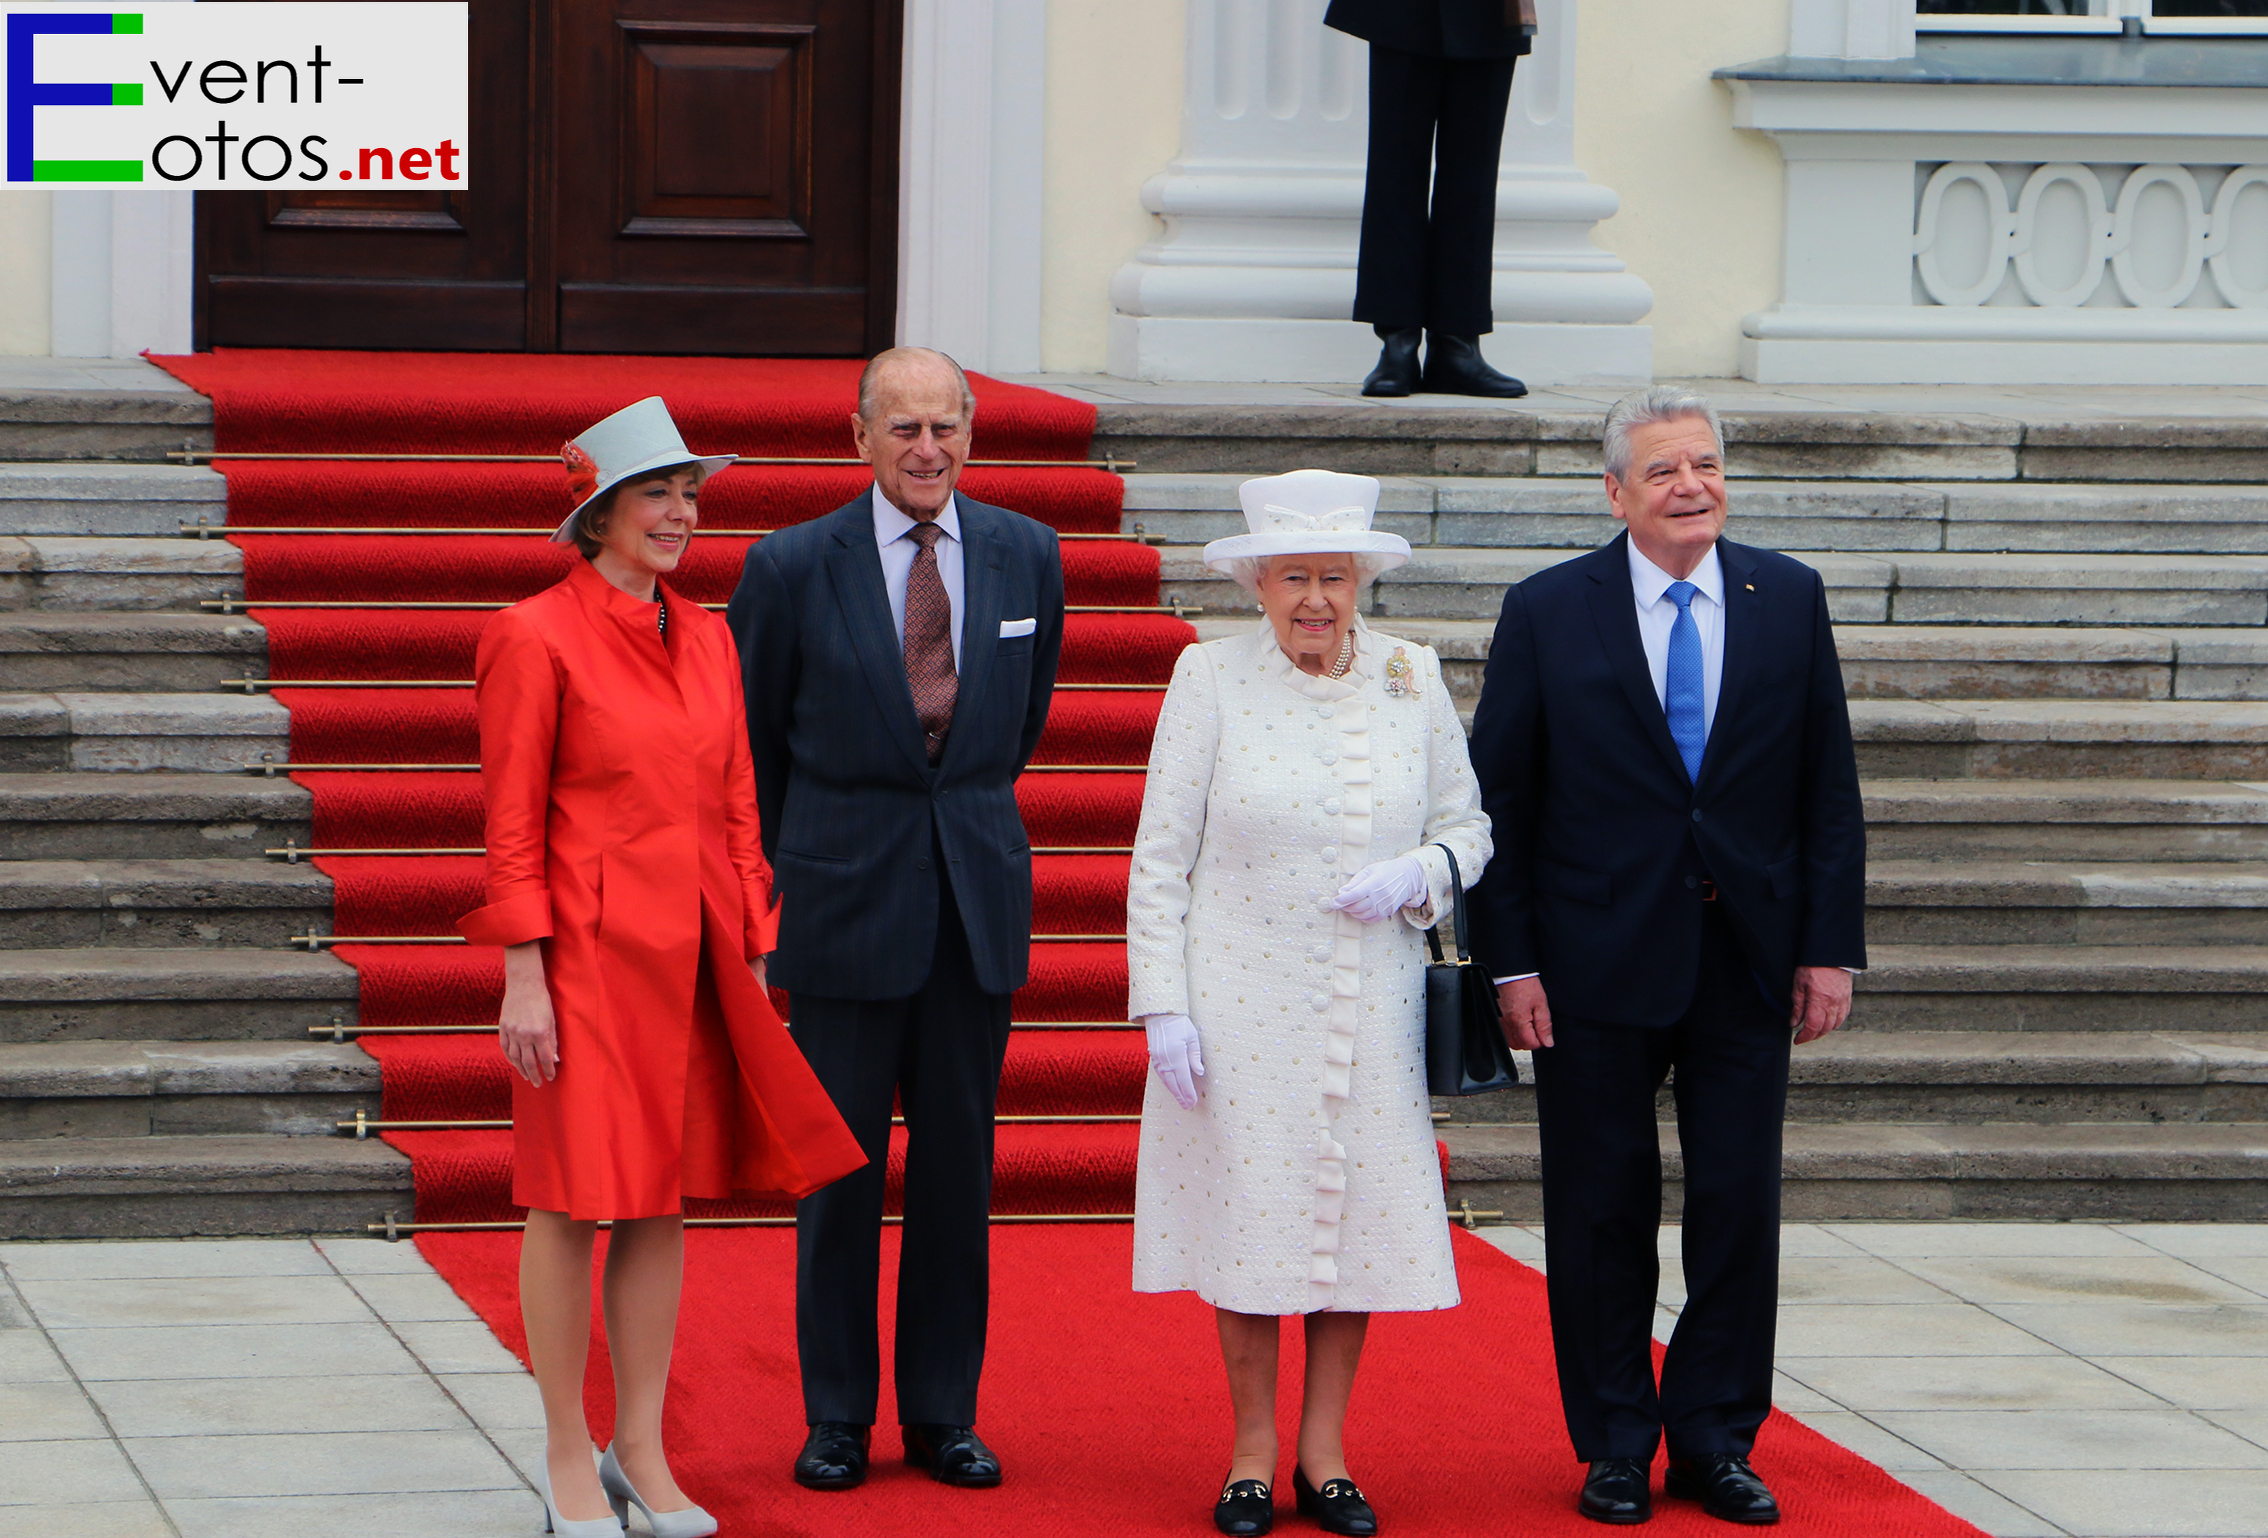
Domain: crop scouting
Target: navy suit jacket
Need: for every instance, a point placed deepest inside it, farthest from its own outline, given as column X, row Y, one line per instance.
column 854, row 816
column 1602, row 841
column 1438, row 29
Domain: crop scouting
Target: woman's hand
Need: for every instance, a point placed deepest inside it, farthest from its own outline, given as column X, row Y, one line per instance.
column 756, row 970
column 1174, row 1056
column 1384, row 888
column 528, row 1033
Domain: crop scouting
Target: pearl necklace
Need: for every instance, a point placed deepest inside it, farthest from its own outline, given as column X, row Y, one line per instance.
column 1346, row 657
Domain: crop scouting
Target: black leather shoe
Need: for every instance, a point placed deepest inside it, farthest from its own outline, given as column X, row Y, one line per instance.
column 1726, row 1487
column 833, row 1456
column 954, row 1455
column 1397, row 371
column 1617, row 1491
column 1454, row 366
column 1337, row 1508
column 1246, row 1509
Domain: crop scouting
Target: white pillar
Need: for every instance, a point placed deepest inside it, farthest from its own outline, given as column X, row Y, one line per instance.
column 1253, row 275
column 972, row 127
column 1851, row 29
column 124, row 273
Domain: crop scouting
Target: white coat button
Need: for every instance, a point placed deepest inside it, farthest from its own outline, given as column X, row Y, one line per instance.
column 1332, row 807
column 1331, row 756
column 1330, row 854
column 1321, row 1001
column 1322, row 953
column 1326, row 711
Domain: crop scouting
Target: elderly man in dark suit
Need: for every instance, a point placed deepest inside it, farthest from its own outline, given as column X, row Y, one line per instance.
column 1440, row 78
column 1679, row 889
column 898, row 657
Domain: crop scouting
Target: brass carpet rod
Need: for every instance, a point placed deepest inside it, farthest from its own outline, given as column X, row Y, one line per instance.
column 392, row 605
column 392, row 1230
column 292, row 854
column 271, row 770
column 364, row 1124
column 255, row 685
column 207, row 456
column 203, row 530
column 338, row 1030
column 318, row 942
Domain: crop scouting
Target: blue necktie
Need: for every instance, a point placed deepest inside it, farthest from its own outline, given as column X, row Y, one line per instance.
column 1681, row 683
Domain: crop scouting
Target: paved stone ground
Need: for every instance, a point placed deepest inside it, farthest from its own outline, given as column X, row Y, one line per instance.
column 2038, row 1379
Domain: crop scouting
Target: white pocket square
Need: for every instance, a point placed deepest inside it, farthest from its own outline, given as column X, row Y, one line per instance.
column 1017, row 627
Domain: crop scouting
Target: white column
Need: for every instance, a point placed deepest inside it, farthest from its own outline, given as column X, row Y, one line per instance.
column 1253, row 275
column 972, row 127
column 1851, row 29
column 124, row 273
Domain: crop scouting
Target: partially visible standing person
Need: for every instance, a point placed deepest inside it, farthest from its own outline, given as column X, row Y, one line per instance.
column 627, row 885
column 1680, row 887
column 1307, row 784
column 1440, row 80
column 900, row 655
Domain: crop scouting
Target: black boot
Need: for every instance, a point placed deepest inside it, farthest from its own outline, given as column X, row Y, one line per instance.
column 1454, row 366
column 1397, row 371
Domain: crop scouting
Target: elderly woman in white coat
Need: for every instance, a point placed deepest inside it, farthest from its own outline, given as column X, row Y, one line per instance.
column 1306, row 777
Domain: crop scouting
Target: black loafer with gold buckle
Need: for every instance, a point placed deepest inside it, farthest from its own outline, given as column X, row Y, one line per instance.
column 1337, row 1508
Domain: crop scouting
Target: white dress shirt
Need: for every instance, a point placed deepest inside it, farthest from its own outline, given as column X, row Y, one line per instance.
column 1649, row 585
column 891, row 529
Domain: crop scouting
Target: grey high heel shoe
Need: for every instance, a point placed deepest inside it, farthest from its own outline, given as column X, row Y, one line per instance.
column 553, row 1522
column 685, row 1522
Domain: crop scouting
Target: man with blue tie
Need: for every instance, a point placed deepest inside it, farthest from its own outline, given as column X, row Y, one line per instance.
column 1678, row 893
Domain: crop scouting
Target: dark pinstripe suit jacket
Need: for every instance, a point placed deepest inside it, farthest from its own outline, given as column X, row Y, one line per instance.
column 854, row 816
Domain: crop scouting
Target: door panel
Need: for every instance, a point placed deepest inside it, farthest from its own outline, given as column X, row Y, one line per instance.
column 669, row 176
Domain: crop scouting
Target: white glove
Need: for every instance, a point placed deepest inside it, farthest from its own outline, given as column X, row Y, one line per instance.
column 1174, row 1057
column 1384, row 888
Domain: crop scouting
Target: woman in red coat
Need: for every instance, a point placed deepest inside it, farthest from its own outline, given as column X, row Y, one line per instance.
column 628, row 889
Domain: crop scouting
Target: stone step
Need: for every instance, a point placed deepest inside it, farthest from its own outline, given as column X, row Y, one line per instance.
column 2061, row 739
column 1961, row 902
column 175, row 1187
column 79, row 650
column 65, row 816
column 1945, row 661
column 2099, row 820
column 2185, row 988
column 138, row 423
column 47, row 904
column 116, row 1089
column 145, row 993
column 1928, row 588
column 1853, row 516
column 1976, row 1077
column 189, row 733
column 109, row 498
column 2179, row 1172
column 39, row 571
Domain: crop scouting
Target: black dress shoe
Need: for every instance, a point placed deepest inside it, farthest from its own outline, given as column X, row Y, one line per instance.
column 1397, row 371
column 1246, row 1509
column 1617, row 1491
column 833, row 1456
column 1726, row 1487
column 1337, row 1508
column 954, row 1455
column 1454, row 366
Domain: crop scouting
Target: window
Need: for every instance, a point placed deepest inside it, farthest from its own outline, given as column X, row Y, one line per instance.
column 2159, row 18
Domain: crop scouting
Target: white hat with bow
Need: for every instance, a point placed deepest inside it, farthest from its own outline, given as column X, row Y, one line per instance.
column 1309, row 512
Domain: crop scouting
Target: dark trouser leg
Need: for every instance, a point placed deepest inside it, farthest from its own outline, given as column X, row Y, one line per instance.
column 1390, row 273
column 956, row 1041
column 1732, row 1093
column 854, row 1047
column 1602, row 1179
column 1460, row 249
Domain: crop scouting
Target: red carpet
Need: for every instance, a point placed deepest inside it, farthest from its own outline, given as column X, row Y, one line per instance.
column 1456, row 1428
column 1455, row 1431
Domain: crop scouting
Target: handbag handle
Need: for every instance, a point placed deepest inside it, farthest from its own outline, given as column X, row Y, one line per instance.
column 1457, row 914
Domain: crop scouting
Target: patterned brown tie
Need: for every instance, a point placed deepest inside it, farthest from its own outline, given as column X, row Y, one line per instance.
column 929, row 641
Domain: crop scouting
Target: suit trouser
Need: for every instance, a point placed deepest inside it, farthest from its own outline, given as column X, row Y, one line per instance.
column 939, row 1053
column 1437, row 121
column 1602, row 1212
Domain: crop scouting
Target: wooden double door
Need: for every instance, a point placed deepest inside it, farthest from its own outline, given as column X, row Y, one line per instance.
column 645, row 176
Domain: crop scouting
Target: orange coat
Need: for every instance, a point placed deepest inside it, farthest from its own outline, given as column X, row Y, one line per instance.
column 622, row 832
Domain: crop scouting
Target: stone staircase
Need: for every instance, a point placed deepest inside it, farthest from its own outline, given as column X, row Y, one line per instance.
column 2055, row 635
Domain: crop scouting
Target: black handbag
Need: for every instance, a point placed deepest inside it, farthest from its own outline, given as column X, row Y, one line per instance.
column 1465, row 1050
